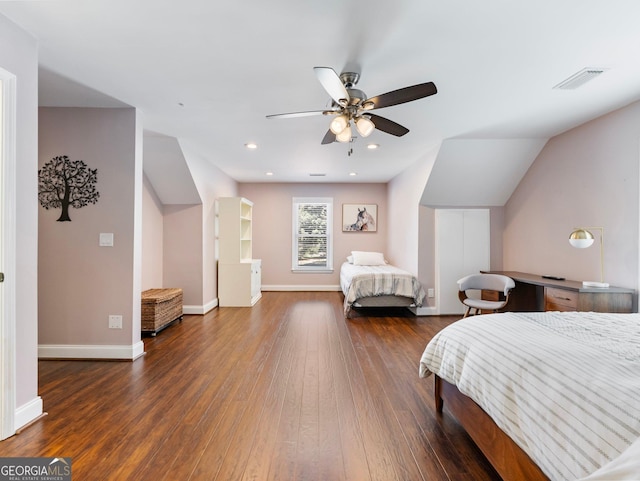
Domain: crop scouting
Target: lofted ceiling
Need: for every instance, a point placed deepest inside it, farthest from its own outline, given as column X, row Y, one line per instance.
column 208, row 72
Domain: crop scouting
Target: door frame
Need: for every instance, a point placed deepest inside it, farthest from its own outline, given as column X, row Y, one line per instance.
column 8, row 253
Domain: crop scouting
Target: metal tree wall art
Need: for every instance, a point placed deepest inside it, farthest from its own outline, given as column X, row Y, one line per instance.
column 63, row 183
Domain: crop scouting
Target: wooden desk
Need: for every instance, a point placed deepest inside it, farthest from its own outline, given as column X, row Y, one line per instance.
column 536, row 293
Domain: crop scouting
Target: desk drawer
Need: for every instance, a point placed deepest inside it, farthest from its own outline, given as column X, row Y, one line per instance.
column 560, row 299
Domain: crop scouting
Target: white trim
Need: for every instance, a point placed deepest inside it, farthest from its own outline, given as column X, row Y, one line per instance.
column 28, row 412
column 424, row 311
column 69, row 351
column 8, row 256
column 200, row 310
column 311, row 288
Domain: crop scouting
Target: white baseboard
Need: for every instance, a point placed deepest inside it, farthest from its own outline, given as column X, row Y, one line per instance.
column 424, row 311
column 68, row 351
column 200, row 310
column 310, row 288
column 28, row 412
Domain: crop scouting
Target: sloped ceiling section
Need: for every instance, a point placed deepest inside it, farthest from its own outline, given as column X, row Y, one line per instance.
column 166, row 168
column 479, row 172
column 55, row 90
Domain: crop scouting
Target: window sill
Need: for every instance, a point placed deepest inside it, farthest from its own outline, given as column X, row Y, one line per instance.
column 312, row 271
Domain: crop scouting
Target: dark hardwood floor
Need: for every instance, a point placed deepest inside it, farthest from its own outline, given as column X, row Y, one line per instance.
column 286, row 390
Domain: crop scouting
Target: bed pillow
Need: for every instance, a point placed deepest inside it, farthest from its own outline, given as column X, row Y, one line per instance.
column 363, row 258
column 350, row 259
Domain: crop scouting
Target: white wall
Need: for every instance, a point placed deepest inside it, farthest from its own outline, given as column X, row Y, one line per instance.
column 19, row 55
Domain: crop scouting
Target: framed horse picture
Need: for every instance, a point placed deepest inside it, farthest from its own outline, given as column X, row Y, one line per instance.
column 359, row 217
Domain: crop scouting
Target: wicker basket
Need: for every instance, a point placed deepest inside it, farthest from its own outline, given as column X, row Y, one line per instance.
column 160, row 307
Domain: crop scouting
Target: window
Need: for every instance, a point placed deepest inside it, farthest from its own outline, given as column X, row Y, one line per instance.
column 312, row 243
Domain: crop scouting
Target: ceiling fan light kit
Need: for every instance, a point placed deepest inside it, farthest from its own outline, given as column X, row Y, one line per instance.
column 338, row 124
column 345, row 135
column 349, row 103
column 364, row 126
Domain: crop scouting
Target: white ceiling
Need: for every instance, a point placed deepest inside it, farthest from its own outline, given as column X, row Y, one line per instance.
column 208, row 72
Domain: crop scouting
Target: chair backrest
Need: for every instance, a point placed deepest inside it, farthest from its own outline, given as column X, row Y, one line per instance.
column 490, row 282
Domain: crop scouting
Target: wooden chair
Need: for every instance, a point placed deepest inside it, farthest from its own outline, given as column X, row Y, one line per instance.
column 484, row 282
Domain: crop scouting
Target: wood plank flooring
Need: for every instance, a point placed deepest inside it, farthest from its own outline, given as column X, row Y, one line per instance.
column 286, row 390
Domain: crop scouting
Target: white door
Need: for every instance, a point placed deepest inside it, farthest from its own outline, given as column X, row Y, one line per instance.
column 462, row 248
column 7, row 254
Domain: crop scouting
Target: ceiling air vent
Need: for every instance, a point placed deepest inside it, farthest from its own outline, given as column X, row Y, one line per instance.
column 317, row 175
column 580, row 78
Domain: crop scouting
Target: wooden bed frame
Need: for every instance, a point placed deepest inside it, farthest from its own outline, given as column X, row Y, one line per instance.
column 507, row 458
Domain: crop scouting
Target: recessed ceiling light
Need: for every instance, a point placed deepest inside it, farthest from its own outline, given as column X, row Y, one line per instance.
column 268, row 173
column 372, row 146
column 353, row 174
column 251, row 145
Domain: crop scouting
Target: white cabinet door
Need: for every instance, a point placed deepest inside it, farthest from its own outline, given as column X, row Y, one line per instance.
column 462, row 248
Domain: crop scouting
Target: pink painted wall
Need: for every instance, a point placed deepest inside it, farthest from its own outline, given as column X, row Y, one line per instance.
column 152, row 238
column 211, row 183
column 587, row 176
column 19, row 56
column 272, row 228
column 182, row 254
column 405, row 192
column 80, row 283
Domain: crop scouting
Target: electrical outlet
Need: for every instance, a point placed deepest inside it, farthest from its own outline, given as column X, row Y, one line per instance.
column 115, row 322
column 431, row 292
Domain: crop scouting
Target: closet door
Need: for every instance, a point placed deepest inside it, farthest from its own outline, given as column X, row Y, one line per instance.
column 462, row 248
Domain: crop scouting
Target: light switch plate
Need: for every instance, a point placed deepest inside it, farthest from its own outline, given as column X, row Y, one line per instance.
column 115, row 321
column 106, row 239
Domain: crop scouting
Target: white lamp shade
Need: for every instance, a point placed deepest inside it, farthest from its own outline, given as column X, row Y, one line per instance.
column 581, row 243
column 338, row 124
column 364, row 126
column 345, row 135
column 581, row 238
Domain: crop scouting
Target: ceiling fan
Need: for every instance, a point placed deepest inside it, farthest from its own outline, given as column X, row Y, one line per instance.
column 352, row 105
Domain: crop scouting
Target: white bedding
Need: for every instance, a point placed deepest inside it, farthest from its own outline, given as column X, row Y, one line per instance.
column 366, row 281
column 564, row 386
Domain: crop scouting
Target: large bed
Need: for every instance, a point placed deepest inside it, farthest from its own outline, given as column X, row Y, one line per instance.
column 377, row 284
column 545, row 395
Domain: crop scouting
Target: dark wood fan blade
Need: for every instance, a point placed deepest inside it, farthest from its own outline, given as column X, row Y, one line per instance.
column 329, row 138
column 388, row 126
column 292, row 115
column 332, row 84
column 403, row 95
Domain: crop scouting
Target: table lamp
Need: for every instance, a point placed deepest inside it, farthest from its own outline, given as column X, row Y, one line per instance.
column 583, row 238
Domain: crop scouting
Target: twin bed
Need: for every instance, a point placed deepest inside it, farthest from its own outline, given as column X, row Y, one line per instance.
column 545, row 395
column 367, row 280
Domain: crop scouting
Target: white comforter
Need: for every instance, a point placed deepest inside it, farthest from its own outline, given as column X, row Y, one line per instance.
column 366, row 281
column 564, row 386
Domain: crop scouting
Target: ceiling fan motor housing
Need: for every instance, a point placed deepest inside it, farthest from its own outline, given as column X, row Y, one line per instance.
column 349, row 79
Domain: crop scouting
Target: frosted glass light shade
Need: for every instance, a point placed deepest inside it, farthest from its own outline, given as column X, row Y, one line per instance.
column 364, row 126
column 338, row 124
column 581, row 238
column 345, row 135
